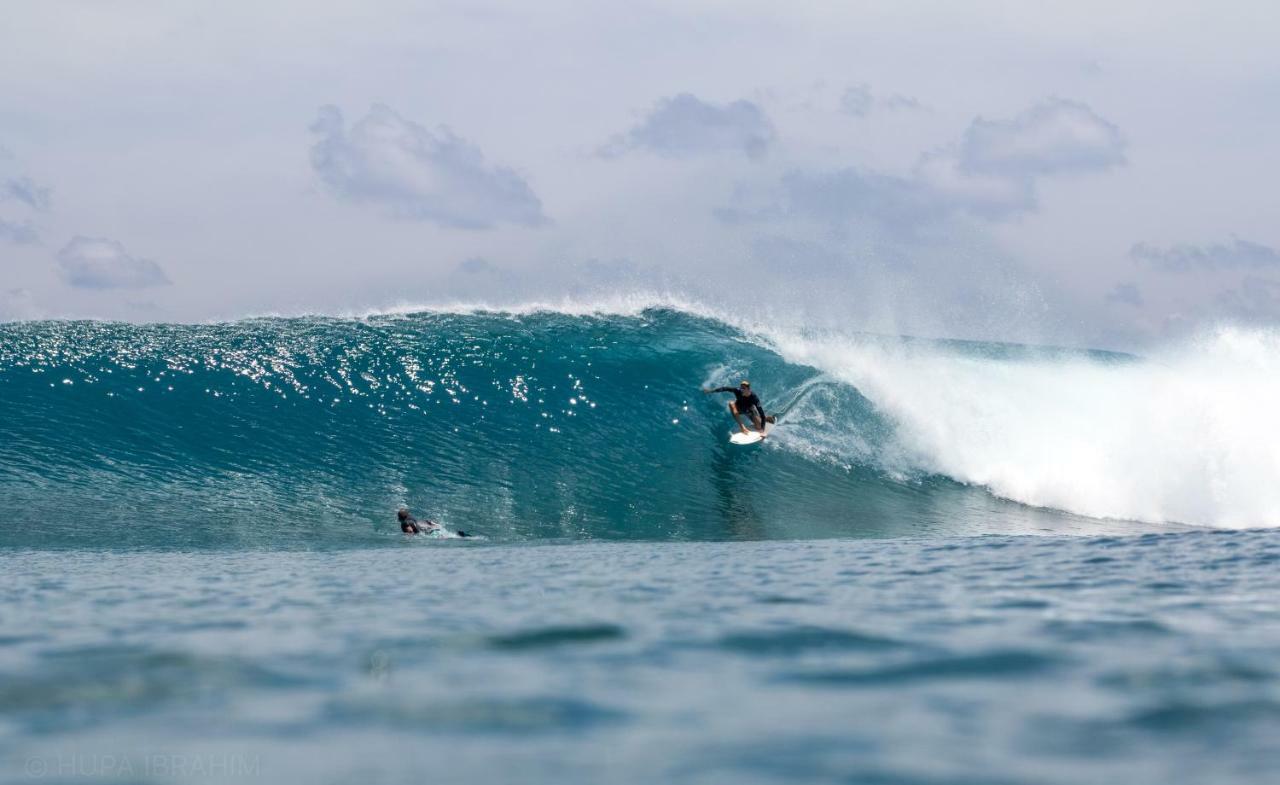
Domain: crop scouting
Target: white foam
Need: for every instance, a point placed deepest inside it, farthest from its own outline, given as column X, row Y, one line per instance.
column 1190, row 434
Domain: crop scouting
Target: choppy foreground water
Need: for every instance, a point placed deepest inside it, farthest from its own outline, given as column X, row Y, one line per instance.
column 1146, row 659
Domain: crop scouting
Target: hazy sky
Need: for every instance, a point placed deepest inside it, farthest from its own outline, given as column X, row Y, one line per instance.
column 1101, row 174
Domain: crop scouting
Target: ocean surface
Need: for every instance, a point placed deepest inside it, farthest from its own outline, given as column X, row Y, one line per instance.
column 953, row 562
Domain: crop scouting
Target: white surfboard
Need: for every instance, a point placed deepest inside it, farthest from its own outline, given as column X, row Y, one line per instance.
column 752, row 436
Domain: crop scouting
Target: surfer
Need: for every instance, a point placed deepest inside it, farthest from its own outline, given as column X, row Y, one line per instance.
column 745, row 402
column 411, row 525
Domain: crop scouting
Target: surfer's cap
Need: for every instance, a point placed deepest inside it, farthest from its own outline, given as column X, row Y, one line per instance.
column 745, row 383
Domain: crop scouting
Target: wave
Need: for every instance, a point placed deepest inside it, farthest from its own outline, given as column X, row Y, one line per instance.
column 575, row 420
column 1190, row 434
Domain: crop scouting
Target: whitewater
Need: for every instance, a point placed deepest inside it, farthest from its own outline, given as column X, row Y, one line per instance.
column 1185, row 434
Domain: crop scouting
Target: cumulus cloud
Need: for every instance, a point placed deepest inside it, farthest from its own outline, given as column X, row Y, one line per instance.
column 685, row 125
column 18, row 233
column 1049, row 138
column 992, row 172
column 994, row 168
column 415, row 173
column 99, row 263
column 1237, row 254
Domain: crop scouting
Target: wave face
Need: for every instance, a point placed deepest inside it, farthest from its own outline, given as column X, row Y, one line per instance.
column 303, row 431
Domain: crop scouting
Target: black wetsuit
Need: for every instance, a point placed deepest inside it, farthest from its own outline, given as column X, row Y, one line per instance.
column 747, row 402
column 410, row 525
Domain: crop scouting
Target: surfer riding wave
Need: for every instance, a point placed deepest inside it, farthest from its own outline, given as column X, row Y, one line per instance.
column 745, row 402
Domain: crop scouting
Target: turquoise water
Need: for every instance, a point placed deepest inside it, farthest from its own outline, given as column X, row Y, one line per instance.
column 953, row 562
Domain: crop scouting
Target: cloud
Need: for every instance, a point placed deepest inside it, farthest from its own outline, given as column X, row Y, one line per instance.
column 25, row 190
column 99, row 263
column 419, row 174
column 1126, row 294
column 18, row 234
column 684, row 125
column 994, row 169
column 1053, row 137
column 1237, row 254
column 992, row 172
column 28, row 192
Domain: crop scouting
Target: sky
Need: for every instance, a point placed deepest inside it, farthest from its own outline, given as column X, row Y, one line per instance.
column 1100, row 174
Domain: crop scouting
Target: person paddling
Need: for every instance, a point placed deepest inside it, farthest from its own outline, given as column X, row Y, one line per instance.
column 748, row 403
column 411, row 525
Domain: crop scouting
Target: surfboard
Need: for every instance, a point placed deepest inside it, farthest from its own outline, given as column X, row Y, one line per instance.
column 752, row 436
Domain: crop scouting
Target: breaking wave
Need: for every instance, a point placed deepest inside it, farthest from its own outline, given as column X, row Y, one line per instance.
column 564, row 421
